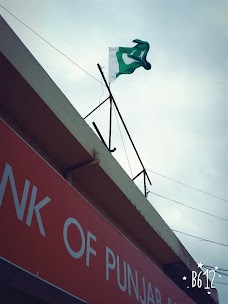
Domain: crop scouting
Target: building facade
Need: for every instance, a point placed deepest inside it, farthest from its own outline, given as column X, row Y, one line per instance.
column 74, row 228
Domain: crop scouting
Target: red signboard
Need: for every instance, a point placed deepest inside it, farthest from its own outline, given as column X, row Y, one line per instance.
column 49, row 229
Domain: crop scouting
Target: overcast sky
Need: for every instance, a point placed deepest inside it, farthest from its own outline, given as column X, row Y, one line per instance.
column 176, row 112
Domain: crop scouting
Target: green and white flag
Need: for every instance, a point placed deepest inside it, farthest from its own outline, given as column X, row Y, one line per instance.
column 124, row 60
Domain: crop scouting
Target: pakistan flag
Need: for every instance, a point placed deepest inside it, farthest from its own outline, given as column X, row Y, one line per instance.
column 124, row 60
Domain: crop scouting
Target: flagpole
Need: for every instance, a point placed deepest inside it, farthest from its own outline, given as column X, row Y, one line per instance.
column 110, row 110
column 114, row 102
column 110, row 123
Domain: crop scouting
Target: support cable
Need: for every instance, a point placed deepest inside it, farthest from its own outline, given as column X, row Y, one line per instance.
column 123, row 143
column 102, row 87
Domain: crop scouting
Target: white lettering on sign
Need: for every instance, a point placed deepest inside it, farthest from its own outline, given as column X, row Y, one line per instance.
column 37, row 208
column 20, row 206
column 143, row 299
column 110, row 264
column 123, row 286
column 170, row 301
column 89, row 248
column 85, row 244
column 130, row 281
column 25, row 198
column 150, row 295
column 158, row 296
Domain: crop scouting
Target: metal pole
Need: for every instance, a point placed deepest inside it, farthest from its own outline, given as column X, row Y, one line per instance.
column 96, row 107
column 105, row 81
column 131, row 140
column 99, row 133
column 144, row 179
column 113, row 100
column 138, row 174
column 110, row 124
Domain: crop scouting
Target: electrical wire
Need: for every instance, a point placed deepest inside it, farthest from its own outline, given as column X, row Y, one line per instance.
column 217, row 271
column 55, row 48
column 60, row 52
column 102, row 87
column 221, row 283
column 187, row 206
column 224, row 274
column 196, row 189
column 123, row 142
column 196, row 237
column 207, row 266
